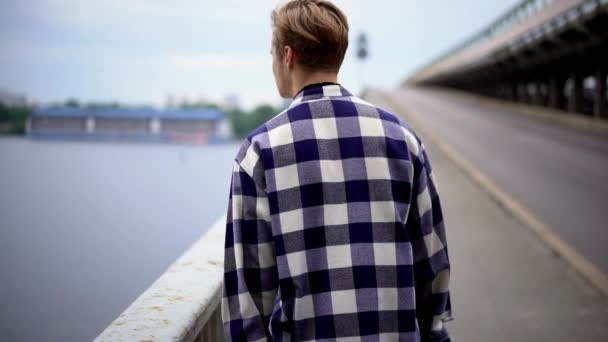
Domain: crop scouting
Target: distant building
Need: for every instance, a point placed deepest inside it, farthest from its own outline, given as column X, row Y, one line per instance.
column 188, row 126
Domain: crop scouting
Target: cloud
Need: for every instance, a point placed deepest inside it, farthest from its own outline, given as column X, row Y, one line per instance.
column 94, row 13
column 200, row 62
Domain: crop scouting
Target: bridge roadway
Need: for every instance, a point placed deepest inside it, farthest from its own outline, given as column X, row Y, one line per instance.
column 558, row 173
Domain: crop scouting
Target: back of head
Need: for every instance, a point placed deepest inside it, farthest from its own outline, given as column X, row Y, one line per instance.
column 316, row 29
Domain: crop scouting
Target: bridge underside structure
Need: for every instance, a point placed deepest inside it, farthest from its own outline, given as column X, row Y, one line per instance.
column 542, row 52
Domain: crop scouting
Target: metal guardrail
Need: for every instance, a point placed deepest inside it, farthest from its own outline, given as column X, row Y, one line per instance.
column 183, row 304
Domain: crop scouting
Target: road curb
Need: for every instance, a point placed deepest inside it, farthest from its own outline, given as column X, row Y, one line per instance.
column 585, row 268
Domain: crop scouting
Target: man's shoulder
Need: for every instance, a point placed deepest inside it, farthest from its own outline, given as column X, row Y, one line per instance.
column 297, row 122
column 394, row 126
column 250, row 150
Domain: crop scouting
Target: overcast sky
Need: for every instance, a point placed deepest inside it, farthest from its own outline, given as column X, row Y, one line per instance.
column 140, row 51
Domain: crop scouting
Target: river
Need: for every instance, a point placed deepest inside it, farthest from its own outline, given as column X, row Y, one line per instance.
column 85, row 227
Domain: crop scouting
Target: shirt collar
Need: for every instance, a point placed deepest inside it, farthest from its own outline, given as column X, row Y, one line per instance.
column 320, row 90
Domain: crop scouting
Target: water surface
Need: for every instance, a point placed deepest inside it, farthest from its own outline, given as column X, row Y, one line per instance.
column 85, row 227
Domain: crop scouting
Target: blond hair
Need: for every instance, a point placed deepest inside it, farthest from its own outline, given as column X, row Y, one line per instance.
column 316, row 29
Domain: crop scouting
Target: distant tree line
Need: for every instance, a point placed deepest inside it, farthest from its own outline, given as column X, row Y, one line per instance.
column 13, row 118
column 244, row 122
column 73, row 103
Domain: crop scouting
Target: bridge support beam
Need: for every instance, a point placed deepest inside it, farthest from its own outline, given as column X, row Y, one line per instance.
column 537, row 94
column 556, row 92
column 531, row 90
column 575, row 103
column 522, row 92
column 513, row 91
column 599, row 101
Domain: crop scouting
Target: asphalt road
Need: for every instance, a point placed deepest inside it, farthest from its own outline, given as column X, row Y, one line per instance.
column 558, row 173
column 505, row 284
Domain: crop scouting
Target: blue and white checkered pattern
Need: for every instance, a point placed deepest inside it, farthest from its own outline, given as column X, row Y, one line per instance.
column 334, row 228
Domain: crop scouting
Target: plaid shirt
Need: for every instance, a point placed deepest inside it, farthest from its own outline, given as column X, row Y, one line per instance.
column 334, row 228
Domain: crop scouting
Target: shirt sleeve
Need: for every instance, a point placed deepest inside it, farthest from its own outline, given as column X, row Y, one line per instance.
column 250, row 271
column 431, row 263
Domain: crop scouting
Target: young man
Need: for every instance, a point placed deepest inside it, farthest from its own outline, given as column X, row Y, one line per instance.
column 334, row 227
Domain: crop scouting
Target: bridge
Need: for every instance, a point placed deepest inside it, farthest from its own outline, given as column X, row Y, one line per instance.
column 515, row 122
column 551, row 53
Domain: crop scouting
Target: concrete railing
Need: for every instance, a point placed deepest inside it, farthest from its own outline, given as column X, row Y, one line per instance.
column 184, row 303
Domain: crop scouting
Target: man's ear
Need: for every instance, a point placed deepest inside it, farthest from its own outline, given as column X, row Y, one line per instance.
column 290, row 56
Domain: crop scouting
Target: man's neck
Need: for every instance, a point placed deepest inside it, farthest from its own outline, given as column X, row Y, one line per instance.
column 302, row 80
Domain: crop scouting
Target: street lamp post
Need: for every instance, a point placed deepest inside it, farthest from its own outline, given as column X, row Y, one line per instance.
column 362, row 54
